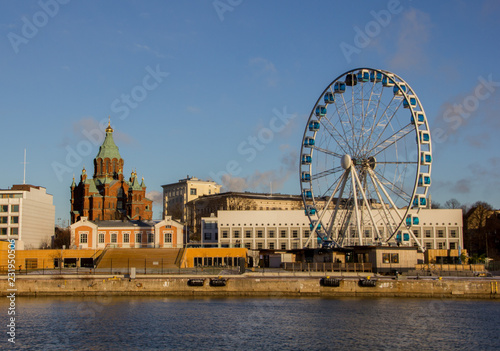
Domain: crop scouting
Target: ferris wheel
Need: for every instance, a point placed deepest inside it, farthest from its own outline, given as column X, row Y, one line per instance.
column 365, row 162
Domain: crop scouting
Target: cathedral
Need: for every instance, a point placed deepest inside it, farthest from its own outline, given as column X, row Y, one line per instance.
column 108, row 196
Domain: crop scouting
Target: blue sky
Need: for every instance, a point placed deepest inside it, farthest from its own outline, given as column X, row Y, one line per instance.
column 190, row 86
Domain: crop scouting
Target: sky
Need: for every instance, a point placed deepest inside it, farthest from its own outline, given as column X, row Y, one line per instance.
column 222, row 89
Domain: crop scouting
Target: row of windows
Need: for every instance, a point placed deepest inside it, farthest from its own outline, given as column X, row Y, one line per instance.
column 5, row 208
column 126, row 238
column 215, row 261
column 13, row 231
column 271, row 233
column 262, row 225
column 11, row 196
column 13, row 219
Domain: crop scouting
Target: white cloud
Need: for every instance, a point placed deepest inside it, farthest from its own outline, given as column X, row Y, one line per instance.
column 156, row 196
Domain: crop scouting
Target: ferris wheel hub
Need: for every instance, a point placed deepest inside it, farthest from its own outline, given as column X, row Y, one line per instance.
column 346, row 161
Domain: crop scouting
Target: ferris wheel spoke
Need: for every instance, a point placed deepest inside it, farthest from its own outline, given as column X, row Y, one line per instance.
column 391, row 140
column 400, row 192
column 344, row 140
column 328, row 152
column 326, row 173
column 397, row 163
column 385, row 211
column 351, row 122
column 341, row 126
column 389, row 117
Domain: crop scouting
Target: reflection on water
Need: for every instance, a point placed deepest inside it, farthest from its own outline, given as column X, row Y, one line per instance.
column 149, row 323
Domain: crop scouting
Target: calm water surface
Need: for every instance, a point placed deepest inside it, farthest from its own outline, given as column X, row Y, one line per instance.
column 143, row 323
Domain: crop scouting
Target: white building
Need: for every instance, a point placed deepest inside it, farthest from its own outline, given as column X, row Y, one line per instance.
column 27, row 215
column 177, row 195
column 285, row 230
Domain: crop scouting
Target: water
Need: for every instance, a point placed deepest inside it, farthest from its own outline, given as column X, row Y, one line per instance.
column 155, row 323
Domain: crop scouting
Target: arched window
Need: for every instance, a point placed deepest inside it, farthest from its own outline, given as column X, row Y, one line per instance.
column 137, row 211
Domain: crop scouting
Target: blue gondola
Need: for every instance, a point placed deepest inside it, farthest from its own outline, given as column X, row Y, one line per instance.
column 306, row 176
column 313, row 224
column 363, row 75
column 306, row 159
column 339, row 87
column 310, row 211
column 313, row 126
column 375, row 76
column 307, row 193
column 309, row 142
column 406, row 237
column 320, row 111
column 425, row 158
column 413, row 102
column 388, row 80
column 419, row 201
column 351, row 80
column 329, row 98
column 412, row 220
column 398, row 237
column 399, row 90
column 425, row 137
column 424, row 180
column 420, row 118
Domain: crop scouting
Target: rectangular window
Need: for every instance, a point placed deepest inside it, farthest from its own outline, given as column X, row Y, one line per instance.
column 138, row 238
column 305, row 233
column 295, row 245
column 224, row 234
column 367, row 233
column 198, row 261
column 271, row 246
column 31, row 263
column 114, row 238
column 260, row 246
column 14, row 219
column 151, row 238
column 247, row 246
column 295, row 233
column 416, row 232
column 440, row 246
column 248, row 233
column 4, row 208
column 428, row 245
column 3, row 219
column 386, row 258
column 260, row 233
column 236, row 234
column 192, row 191
column 3, row 231
column 282, row 233
column 14, row 208
column 126, row 237
column 83, row 238
column 283, row 246
column 101, row 238
column 453, row 246
column 271, row 233
column 440, row 233
column 168, row 237
column 453, row 233
column 427, row 233
column 208, row 236
column 394, row 258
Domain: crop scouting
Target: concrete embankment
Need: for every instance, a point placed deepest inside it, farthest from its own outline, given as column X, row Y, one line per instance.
column 251, row 286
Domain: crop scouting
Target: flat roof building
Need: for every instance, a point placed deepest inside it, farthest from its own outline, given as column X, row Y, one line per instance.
column 27, row 215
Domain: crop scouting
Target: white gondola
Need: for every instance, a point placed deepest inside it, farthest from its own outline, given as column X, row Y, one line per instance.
column 412, row 102
column 309, row 142
column 375, row 76
column 320, row 111
column 398, row 91
column 388, row 80
column 351, row 80
column 306, row 159
column 425, row 137
column 424, row 179
column 339, row 87
column 363, row 75
column 306, row 176
column 419, row 201
column 419, row 117
column 314, row 126
column 425, row 158
column 329, row 98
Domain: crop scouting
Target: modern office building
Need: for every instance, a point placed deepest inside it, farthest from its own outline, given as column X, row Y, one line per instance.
column 177, row 195
column 27, row 215
column 285, row 230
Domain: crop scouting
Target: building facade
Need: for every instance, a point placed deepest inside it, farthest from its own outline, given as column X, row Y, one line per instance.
column 176, row 196
column 108, row 195
column 27, row 215
column 285, row 230
column 86, row 234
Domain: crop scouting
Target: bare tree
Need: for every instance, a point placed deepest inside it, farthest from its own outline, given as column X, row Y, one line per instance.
column 452, row 204
column 475, row 224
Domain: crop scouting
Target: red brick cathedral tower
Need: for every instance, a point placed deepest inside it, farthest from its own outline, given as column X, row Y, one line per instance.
column 107, row 196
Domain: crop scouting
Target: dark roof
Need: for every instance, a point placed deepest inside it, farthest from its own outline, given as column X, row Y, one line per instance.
column 126, row 223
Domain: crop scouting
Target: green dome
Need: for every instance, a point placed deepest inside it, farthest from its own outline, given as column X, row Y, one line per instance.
column 108, row 149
